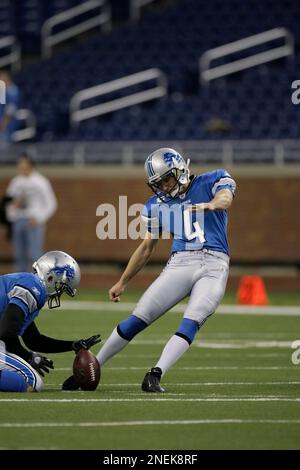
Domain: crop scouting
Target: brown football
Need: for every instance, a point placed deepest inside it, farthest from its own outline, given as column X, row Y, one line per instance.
column 86, row 370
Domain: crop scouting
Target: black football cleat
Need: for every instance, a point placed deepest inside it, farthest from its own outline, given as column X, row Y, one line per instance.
column 70, row 384
column 151, row 381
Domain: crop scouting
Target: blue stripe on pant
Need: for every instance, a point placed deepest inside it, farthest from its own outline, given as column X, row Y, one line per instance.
column 9, row 361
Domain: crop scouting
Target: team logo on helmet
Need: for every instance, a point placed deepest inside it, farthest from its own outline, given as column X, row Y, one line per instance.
column 171, row 158
column 67, row 269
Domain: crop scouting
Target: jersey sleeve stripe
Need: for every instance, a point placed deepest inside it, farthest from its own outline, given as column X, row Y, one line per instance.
column 25, row 296
column 223, row 182
column 30, row 291
column 152, row 221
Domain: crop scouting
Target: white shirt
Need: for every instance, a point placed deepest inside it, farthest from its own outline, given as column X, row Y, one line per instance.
column 36, row 195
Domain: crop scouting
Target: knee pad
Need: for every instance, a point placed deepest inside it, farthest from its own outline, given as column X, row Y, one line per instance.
column 12, row 381
column 188, row 330
column 130, row 327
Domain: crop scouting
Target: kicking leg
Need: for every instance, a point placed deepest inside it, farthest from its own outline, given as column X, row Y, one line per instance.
column 166, row 291
column 158, row 298
column 205, row 297
column 120, row 337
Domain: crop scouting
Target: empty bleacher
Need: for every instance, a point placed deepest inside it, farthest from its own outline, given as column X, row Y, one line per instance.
column 255, row 103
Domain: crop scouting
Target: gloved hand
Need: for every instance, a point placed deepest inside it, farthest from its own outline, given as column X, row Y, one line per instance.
column 40, row 363
column 85, row 343
column 70, row 384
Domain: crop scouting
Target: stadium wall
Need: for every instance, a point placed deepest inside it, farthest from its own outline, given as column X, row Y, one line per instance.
column 263, row 230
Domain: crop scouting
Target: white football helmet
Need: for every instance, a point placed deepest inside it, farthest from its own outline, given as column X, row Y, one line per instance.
column 166, row 162
column 59, row 273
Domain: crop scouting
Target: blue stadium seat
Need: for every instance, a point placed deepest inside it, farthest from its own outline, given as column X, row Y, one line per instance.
column 256, row 102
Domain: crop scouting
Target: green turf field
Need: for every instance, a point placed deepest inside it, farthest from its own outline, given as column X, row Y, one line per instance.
column 236, row 388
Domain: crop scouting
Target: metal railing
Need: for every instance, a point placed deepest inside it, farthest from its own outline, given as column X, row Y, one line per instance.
column 50, row 39
column 208, row 73
column 29, row 131
column 136, row 7
column 226, row 153
column 159, row 90
column 12, row 58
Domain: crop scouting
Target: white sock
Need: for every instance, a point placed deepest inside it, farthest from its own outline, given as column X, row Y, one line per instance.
column 173, row 350
column 112, row 346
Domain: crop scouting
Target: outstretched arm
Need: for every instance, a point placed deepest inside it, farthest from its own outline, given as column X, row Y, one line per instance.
column 137, row 261
column 38, row 342
column 221, row 201
column 34, row 340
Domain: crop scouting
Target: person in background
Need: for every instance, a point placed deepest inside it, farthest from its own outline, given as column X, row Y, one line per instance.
column 8, row 120
column 33, row 203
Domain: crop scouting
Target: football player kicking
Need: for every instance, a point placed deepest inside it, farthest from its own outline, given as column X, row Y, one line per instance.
column 22, row 296
column 193, row 209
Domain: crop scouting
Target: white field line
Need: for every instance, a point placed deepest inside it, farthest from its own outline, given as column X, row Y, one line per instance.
column 206, row 396
column 241, row 367
column 241, row 344
column 259, row 354
column 217, row 344
column 267, row 398
column 189, row 394
column 258, row 335
column 193, row 384
column 149, row 423
column 29, row 448
column 224, row 344
column 223, row 309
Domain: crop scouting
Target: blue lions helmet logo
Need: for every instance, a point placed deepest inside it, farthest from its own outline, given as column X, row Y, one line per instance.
column 169, row 158
column 69, row 270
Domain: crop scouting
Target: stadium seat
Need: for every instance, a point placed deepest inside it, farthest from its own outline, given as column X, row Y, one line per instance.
column 255, row 102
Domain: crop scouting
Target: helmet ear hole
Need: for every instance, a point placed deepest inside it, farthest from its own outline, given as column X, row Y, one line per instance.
column 50, row 278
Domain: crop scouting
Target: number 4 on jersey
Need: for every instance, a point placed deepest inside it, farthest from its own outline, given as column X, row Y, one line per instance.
column 190, row 235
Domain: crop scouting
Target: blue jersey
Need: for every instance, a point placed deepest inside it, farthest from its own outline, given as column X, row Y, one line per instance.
column 197, row 230
column 25, row 290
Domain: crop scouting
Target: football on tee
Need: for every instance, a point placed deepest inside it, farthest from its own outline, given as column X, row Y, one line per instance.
column 86, row 370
